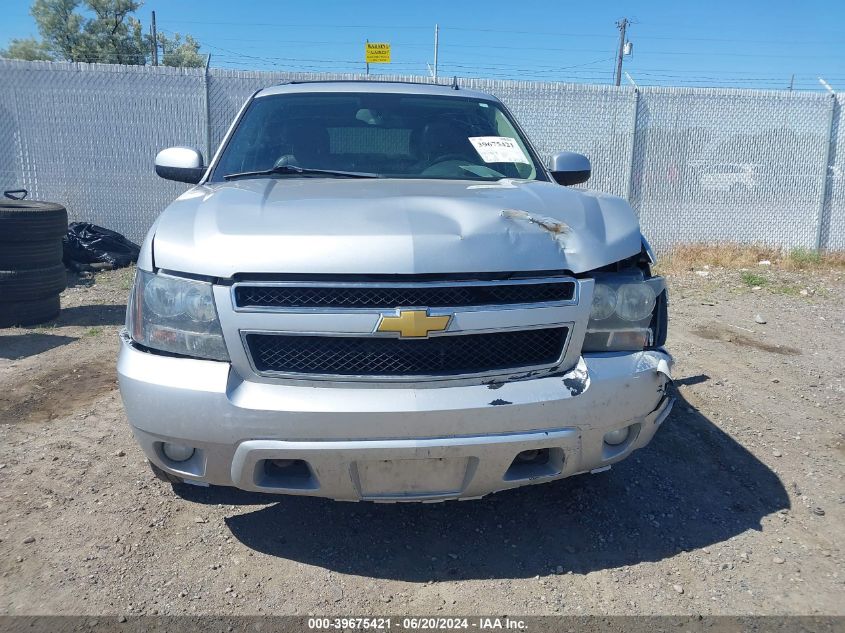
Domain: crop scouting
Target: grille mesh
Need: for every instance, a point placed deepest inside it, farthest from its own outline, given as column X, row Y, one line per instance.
column 436, row 356
column 399, row 297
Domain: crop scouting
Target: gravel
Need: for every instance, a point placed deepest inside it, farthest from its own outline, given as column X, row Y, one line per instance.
column 702, row 521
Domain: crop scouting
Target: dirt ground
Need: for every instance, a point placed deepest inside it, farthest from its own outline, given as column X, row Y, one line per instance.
column 736, row 507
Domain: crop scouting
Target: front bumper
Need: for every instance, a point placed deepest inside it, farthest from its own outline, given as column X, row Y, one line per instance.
column 388, row 443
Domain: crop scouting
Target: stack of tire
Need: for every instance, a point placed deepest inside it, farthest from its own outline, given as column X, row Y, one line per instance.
column 31, row 270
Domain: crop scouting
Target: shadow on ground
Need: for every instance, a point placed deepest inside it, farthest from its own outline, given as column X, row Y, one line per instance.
column 691, row 487
column 93, row 315
column 17, row 346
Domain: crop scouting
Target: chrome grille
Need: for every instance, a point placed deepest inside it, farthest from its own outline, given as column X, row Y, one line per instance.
column 451, row 355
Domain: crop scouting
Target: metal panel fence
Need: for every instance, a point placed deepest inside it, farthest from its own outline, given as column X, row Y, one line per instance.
column 711, row 165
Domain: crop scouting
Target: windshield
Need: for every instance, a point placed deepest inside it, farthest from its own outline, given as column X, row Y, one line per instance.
column 389, row 135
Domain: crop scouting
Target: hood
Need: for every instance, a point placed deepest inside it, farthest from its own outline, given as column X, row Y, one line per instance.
column 389, row 226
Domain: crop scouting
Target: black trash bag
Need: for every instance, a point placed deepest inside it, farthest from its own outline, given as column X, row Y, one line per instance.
column 87, row 243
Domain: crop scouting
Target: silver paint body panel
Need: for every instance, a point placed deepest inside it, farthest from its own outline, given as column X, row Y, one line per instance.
column 235, row 423
column 390, row 440
column 389, row 226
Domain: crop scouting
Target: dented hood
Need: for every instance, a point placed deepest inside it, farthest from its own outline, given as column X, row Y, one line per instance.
column 389, row 226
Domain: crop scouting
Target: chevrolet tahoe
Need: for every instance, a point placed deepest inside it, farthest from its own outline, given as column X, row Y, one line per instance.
column 378, row 291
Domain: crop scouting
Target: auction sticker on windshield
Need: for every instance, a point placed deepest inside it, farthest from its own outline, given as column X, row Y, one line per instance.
column 498, row 149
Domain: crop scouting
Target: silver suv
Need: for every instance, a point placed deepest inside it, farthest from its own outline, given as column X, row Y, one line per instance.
column 378, row 291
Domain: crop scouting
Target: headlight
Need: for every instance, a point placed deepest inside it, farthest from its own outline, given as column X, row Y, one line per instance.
column 635, row 302
column 175, row 315
column 163, row 296
column 604, row 302
column 623, row 313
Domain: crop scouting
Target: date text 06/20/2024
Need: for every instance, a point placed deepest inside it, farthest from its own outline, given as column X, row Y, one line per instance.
column 416, row 623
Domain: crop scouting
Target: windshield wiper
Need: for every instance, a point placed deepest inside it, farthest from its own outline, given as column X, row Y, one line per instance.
column 303, row 171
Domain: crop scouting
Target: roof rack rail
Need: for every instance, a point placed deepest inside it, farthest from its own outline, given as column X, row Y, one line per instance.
column 353, row 81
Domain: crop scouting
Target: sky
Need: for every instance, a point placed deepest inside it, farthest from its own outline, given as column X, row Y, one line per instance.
column 738, row 43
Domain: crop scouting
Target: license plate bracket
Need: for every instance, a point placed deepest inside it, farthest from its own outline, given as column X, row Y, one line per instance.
column 430, row 476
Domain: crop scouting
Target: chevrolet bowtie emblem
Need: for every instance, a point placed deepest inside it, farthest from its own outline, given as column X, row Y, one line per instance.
column 413, row 323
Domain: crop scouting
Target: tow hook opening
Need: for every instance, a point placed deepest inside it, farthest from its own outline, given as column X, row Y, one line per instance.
column 534, row 463
column 294, row 474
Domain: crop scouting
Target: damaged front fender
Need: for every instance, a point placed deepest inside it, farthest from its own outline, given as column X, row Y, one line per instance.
column 659, row 360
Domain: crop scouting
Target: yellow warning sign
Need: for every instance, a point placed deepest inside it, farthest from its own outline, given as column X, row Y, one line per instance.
column 377, row 52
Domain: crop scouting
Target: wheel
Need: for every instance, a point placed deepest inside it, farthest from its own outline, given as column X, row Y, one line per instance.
column 28, row 221
column 32, row 284
column 28, row 312
column 26, row 255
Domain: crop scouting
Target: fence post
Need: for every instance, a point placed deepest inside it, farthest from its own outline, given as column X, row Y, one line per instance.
column 826, row 175
column 629, row 187
column 207, row 111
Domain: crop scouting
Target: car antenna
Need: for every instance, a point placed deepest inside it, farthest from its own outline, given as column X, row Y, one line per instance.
column 455, row 83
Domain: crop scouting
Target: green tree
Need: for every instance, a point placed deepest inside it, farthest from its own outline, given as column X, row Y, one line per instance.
column 29, row 49
column 113, row 36
column 103, row 31
column 179, row 53
column 60, row 26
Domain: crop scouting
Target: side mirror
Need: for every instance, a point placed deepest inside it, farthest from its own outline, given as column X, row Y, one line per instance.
column 570, row 168
column 183, row 164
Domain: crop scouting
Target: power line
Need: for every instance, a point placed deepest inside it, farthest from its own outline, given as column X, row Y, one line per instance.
column 580, row 34
column 576, row 72
column 529, row 75
column 578, row 50
column 278, row 25
column 647, row 52
column 496, row 71
column 645, row 37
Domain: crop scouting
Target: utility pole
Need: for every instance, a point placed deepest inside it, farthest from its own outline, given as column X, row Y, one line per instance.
column 791, row 81
column 207, row 109
column 622, row 26
column 154, row 38
column 436, row 47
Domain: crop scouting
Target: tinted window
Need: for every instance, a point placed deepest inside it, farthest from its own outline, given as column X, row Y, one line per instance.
column 393, row 135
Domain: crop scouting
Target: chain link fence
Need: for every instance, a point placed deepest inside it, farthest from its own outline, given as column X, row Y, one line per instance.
column 86, row 135
column 697, row 165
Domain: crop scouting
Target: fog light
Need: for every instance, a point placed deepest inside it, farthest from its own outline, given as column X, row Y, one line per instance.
column 177, row 452
column 534, row 456
column 528, row 456
column 617, row 437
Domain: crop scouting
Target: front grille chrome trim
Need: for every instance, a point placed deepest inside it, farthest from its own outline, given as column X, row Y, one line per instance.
column 576, row 287
column 410, row 378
